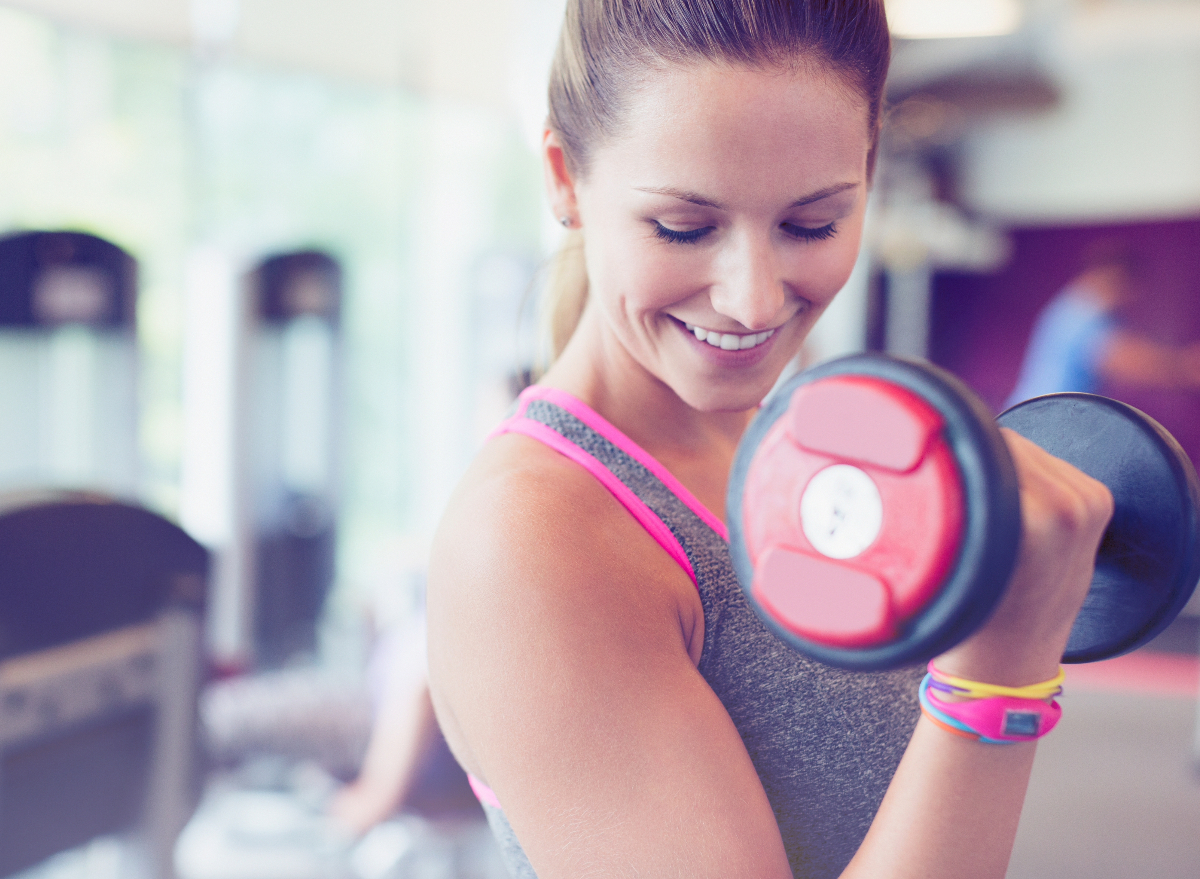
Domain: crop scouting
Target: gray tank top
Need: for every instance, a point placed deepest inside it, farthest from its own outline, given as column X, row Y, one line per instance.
column 825, row 742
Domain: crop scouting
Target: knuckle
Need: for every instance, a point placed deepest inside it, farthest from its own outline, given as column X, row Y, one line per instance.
column 1071, row 513
column 1094, row 499
column 1102, row 501
column 1081, row 510
column 1061, row 512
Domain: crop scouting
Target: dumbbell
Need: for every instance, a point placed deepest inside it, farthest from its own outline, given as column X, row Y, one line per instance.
column 874, row 513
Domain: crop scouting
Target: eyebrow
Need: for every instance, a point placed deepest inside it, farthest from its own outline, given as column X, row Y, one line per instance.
column 696, row 199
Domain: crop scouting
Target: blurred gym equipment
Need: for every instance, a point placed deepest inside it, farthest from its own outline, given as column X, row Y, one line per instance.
column 292, row 412
column 68, row 363
column 101, row 611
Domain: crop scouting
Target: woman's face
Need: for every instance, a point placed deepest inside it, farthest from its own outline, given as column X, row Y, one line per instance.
column 720, row 222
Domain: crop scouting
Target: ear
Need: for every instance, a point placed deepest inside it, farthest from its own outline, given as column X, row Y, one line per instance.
column 560, row 186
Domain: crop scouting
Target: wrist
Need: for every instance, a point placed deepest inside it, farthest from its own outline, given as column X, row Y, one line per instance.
column 978, row 660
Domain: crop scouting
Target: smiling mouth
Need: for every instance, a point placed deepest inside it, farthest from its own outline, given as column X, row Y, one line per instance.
column 729, row 341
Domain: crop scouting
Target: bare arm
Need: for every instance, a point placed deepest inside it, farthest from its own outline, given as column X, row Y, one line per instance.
column 562, row 658
column 563, row 664
column 402, row 739
column 953, row 806
column 1129, row 358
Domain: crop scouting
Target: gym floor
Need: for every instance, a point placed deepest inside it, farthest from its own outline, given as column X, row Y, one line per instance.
column 1115, row 795
column 1115, row 792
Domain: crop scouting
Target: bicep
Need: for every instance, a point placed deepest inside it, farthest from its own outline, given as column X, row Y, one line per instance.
column 649, row 782
column 570, row 683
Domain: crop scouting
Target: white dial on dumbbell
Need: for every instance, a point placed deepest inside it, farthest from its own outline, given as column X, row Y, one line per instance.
column 841, row 511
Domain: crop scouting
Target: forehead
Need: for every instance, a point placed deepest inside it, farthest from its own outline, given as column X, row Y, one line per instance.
column 718, row 125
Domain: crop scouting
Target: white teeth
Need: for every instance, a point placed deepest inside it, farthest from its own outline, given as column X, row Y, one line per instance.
column 729, row 341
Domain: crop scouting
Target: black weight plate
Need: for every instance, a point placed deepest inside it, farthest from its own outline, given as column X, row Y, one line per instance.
column 1149, row 559
column 991, row 529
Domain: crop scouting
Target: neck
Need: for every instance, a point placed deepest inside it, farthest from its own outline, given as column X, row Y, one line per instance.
column 598, row 370
column 697, row 447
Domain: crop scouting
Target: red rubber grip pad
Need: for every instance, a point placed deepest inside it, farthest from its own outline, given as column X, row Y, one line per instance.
column 896, row 439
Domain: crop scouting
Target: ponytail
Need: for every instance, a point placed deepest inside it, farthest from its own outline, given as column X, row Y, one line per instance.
column 565, row 295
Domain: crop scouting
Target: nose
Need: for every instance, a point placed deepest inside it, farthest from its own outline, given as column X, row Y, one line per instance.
column 749, row 286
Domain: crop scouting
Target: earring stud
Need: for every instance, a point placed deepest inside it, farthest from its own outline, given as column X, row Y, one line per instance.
column 567, row 222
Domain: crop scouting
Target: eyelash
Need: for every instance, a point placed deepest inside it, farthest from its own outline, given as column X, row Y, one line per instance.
column 691, row 236
column 803, row 233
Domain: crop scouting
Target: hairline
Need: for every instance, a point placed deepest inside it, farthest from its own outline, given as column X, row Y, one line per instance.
column 840, row 76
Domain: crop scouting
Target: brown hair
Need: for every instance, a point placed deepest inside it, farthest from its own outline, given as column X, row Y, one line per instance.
column 606, row 44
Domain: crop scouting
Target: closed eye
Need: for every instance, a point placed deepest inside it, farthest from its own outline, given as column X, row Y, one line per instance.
column 805, row 233
column 676, row 236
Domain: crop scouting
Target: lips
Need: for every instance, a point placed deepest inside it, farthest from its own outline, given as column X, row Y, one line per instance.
column 729, row 341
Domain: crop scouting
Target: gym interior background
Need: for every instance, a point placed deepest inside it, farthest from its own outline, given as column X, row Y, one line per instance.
column 335, row 219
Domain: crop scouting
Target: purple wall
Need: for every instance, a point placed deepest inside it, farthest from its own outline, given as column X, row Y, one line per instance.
column 980, row 323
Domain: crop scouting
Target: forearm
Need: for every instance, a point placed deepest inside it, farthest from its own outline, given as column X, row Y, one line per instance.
column 402, row 738
column 951, row 811
column 400, row 743
column 1133, row 360
column 954, row 804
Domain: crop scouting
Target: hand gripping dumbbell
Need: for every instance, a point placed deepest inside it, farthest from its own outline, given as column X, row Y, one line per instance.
column 874, row 514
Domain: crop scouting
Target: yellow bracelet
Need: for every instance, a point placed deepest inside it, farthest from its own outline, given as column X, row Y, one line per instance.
column 975, row 690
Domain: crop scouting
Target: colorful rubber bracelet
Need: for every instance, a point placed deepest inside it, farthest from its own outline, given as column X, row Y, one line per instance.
column 953, row 730
column 1003, row 718
column 940, row 717
column 943, row 720
column 998, row 720
column 976, row 690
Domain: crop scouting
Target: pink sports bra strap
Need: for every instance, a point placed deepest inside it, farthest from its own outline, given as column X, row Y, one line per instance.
column 610, row 432
column 571, row 447
column 651, row 494
column 635, row 505
column 482, row 792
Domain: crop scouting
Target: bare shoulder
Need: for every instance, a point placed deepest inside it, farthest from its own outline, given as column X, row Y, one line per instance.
column 526, row 516
column 513, row 511
column 532, row 558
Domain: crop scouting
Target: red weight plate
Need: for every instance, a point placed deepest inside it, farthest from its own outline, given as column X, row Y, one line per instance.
column 918, row 483
column 823, row 600
column 863, row 420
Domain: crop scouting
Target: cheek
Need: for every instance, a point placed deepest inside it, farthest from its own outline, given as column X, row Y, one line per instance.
column 821, row 278
column 639, row 276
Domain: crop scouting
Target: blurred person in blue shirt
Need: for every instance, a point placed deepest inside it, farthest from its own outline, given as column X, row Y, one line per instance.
column 1078, row 342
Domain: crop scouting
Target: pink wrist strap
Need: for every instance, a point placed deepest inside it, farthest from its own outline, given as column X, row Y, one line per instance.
column 996, row 720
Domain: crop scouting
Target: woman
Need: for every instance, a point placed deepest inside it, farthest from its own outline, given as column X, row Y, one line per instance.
column 593, row 663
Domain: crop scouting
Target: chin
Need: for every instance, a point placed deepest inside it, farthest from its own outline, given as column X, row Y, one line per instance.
column 731, row 399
